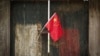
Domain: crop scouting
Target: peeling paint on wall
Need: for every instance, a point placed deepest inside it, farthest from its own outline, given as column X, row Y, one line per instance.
column 27, row 41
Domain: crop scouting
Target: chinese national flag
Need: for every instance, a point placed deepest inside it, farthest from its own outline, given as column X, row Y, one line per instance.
column 54, row 27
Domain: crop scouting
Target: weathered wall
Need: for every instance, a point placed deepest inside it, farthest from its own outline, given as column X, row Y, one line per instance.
column 94, row 28
column 4, row 28
column 27, row 41
column 24, row 17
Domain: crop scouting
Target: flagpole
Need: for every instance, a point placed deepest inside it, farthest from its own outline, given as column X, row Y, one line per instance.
column 48, row 33
column 45, row 25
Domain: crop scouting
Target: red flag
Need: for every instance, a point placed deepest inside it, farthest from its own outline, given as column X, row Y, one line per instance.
column 54, row 27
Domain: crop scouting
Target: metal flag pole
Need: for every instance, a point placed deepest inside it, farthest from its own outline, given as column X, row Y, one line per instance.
column 45, row 25
column 48, row 46
column 48, row 33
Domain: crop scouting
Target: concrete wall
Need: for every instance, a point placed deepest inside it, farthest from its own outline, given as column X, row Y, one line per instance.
column 4, row 28
column 94, row 25
column 27, row 41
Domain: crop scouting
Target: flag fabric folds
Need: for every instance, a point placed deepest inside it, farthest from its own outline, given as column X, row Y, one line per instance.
column 54, row 27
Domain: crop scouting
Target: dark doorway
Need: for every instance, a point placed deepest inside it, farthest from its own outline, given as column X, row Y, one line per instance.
column 73, row 17
column 25, row 14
